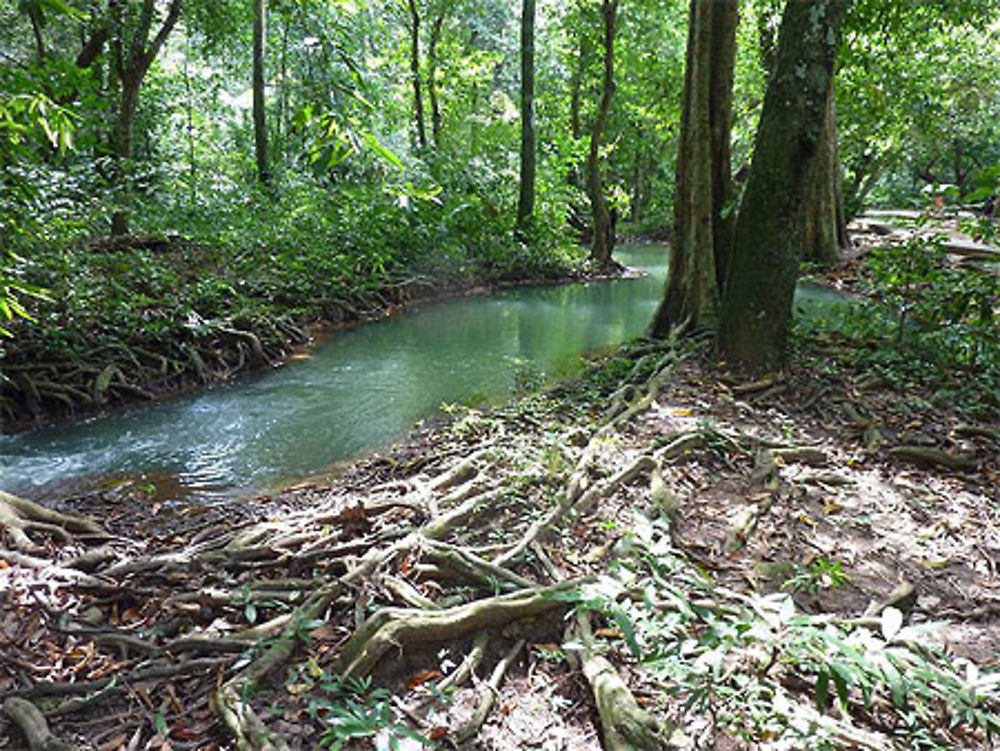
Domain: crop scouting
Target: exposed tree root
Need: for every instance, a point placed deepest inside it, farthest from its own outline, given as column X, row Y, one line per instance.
column 19, row 517
column 232, row 698
column 398, row 627
column 488, row 695
column 33, row 726
column 625, row 726
column 931, row 456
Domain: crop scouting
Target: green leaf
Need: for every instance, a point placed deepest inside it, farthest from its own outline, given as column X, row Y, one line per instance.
column 628, row 630
column 841, row 676
column 822, row 690
column 373, row 144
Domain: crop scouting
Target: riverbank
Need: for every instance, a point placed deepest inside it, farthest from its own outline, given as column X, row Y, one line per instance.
column 738, row 554
column 147, row 317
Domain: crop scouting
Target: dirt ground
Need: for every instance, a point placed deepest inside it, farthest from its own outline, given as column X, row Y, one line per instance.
column 826, row 485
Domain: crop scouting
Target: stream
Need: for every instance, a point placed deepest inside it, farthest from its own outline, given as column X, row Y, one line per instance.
column 361, row 389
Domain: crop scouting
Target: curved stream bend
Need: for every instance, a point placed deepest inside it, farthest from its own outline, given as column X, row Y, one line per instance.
column 363, row 388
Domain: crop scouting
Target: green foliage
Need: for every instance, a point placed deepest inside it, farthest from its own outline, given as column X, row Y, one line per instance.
column 923, row 321
column 731, row 657
column 350, row 709
column 22, row 119
column 820, row 574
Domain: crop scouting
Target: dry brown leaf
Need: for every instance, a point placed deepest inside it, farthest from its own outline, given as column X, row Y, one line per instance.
column 422, row 677
column 115, row 743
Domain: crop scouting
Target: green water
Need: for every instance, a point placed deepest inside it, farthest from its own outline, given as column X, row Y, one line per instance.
column 361, row 389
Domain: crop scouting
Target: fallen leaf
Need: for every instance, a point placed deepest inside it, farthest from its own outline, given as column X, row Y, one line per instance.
column 181, row 733
column 297, row 688
column 422, row 677
column 115, row 743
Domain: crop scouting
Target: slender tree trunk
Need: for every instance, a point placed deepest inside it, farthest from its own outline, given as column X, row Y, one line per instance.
column 122, row 151
column 825, row 231
column 259, row 111
column 418, row 99
column 603, row 241
column 192, row 153
column 282, row 130
column 576, row 213
column 35, row 16
column 132, row 57
column 432, row 84
column 756, row 311
column 703, row 224
column 575, row 83
column 526, row 199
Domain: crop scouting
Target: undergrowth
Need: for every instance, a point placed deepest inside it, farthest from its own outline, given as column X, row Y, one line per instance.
column 922, row 322
column 753, row 666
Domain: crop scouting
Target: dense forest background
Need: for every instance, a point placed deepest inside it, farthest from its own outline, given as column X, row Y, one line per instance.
column 263, row 165
column 757, row 526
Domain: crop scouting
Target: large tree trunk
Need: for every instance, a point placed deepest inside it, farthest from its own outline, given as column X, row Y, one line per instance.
column 603, row 241
column 526, row 198
column 432, row 84
column 418, row 99
column 259, row 113
column 703, row 223
column 825, row 231
column 756, row 310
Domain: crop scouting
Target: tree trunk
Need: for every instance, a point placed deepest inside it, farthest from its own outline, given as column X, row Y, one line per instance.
column 432, row 84
column 35, row 16
column 825, row 231
column 259, row 112
column 526, row 198
column 122, row 150
column 575, row 83
column 281, row 133
column 756, row 310
column 703, row 223
column 131, row 60
column 418, row 99
column 603, row 241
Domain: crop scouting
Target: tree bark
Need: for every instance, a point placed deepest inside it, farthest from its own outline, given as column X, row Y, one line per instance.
column 526, row 198
column 603, row 241
column 35, row 16
column 756, row 310
column 703, row 222
column 432, row 85
column 418, row 99
column 259, row 112
column 825, row 226
column 131, row 61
